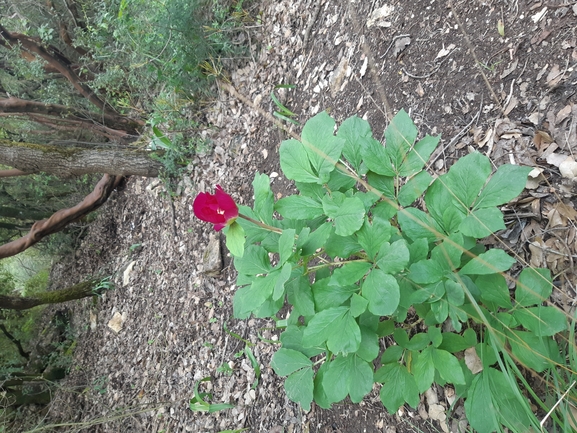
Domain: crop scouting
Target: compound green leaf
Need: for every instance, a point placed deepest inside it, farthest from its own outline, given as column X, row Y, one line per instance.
column 295, row 163
column 299, row 387
column 248, row 299
column 542, row 321
column 532, row 351
column 317, row 239
column 423, row 369
column 376, row 157
column 235, row 239
column 448, row 367
column 292, row 338
column 285, row 245
column 399, row 137
column 348, row 375
column 494, row 288
column 419, row 155
column 382, row 292
column 348, row 213
column 299, row 207
column 466, row 178
column 506, row 184
column 416, row 224
column 287, row 361
column 263, row 198
column 373, row 234
column 283, row 276
column 300, row 295
column 393, row 258
column 327, row 296
column 320, row 395
column 255, row 261
column 414, row 188
column 358, row 305
column 336, row 327
column 534, row 286
column 479, row 407
column 426, row 272
column 349, row 273
column 369, row 348
column 482, row 223
column 490, row 262
column 384, row 184
column 448, row 253
column 322, row 147
column 399, row 386
column 351, row 130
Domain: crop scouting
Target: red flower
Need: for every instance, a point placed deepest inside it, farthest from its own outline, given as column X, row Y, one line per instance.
column 218, row 208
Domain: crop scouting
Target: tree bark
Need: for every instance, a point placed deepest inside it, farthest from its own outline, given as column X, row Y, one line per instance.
column 78, row 291
column 123, row 125
column 54, row 59
column 66, row 161
column 62, row 218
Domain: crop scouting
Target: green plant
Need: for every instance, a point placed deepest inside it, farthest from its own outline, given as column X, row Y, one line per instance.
column 364, row 262
column 198, row 403
column 224, row 368
column 283, row 112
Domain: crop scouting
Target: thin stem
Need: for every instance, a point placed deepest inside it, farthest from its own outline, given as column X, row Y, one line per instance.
column 325, row 265
column 263, row 225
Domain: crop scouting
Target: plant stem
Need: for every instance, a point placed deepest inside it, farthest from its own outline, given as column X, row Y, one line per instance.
column 324, row 265
column 263, row 225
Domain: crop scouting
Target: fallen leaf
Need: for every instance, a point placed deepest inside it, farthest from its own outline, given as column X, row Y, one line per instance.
column 563, row 114
column 568, row 168
column 539, row 15
column 378, row 16
column 437, row 412
column 445, row 51
column 420, row 91
column 534, row 178
column 400, row 45
column 556, row 159
column 554, row 76
column 472, row 360
column 127, row 272
column 117, row 322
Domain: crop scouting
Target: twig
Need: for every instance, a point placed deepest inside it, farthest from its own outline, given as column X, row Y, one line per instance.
column 311, row 23
column 392, row 42
column 459, row 135
column 555, row 406
column 477, row 62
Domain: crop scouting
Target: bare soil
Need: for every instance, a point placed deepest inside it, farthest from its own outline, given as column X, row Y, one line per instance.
column 509, row 96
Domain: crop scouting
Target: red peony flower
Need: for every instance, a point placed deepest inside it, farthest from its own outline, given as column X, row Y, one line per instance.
column 218, row 208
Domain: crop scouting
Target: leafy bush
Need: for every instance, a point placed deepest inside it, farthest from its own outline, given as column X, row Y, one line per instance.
column 376, row 253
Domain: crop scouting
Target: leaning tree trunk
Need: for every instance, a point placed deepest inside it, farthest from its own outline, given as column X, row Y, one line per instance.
column 109, row 123
column 78, row 291
column 66, row 161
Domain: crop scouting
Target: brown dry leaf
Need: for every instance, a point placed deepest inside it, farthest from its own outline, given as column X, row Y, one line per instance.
column 420, row 91
column 117, row 322
column 510, row 106
column 541, row 138
column 437, row 412
column 563, row 114
column 127, row 272
column 534, row 178
column 556, row 219
column 537, row 256
column 566, row 209
column 473, row 361
column 537, row 39
column 554, row 76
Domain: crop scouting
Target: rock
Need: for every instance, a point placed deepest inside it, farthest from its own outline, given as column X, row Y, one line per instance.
column 212, row 257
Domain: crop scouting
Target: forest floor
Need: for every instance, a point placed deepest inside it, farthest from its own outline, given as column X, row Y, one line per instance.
column 510, row 96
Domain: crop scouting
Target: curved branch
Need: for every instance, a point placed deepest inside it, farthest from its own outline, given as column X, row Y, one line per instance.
column 63, row 217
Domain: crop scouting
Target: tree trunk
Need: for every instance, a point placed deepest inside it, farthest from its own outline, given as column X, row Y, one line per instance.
column 107, row 122
column 79, row 291
column 65, row 161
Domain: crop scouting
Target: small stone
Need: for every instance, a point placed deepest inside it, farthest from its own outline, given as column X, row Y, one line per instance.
column 212, row 257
